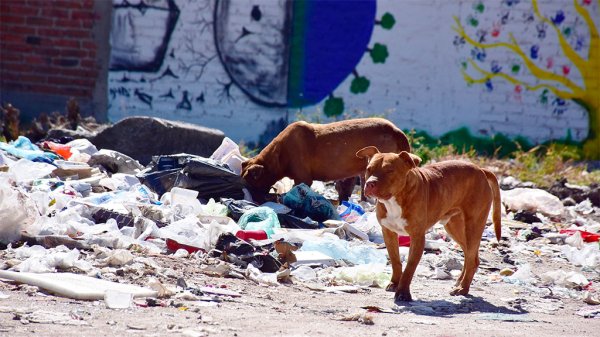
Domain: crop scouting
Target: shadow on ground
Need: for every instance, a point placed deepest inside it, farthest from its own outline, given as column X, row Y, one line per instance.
column 459, row 305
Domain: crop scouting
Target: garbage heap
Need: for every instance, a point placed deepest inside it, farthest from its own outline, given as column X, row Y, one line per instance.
column 76, row 214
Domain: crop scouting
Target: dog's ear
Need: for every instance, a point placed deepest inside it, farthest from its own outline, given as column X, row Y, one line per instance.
column 412, row 159
column 367, row 152
column 255, row 171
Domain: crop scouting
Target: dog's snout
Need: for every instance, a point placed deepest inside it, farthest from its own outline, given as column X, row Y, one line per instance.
column 370, row 186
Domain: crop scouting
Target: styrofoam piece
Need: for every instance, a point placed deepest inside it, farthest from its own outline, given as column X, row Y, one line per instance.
column 75, row 286
column 312, row 257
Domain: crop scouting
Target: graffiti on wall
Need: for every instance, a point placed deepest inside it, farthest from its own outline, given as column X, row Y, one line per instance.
column 531, row 63
column 248, row 67
column 297, row 53
column 132, row 51
column 283, row 53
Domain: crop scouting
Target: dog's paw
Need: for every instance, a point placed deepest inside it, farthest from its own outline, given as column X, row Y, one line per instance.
column 459, row 291
column 391, row 287
column 402, row 297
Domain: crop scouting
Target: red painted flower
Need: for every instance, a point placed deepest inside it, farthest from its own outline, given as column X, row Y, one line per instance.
column 566, row 70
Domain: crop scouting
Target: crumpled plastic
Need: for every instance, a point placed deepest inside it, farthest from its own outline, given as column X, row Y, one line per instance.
column 342, row 250
column 566, row 279
column 41, row 260
column 374, row 274
column 534, row 200
column 22, row 147
column 260, row 218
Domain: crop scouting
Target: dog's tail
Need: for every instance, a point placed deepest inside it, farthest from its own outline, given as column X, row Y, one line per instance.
column 493, row 181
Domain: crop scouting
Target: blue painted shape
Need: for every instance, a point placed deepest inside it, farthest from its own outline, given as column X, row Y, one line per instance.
column 558, row 18
column 534, row 52
column 336, row 37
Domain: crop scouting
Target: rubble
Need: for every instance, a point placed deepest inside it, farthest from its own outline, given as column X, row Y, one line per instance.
column 89, row 223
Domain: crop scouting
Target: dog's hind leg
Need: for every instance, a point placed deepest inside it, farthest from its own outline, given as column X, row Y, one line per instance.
column 474, row 230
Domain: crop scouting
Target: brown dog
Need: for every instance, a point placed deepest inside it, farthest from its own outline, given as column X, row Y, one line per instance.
column 411, row 199
column 306, row 152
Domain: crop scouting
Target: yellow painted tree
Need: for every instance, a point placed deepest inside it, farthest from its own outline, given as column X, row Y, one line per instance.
column 585, row 92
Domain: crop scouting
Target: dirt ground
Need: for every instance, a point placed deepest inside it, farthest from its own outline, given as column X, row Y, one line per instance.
column 494, row 308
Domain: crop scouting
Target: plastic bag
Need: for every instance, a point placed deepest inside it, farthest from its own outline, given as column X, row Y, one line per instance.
column 534, row 200
column 22, row 147
column 350, row 212
column 263, row 218
column 307, row 203
column 341, row 250
column 209, row 178
column 115, row 162
column 366, row 275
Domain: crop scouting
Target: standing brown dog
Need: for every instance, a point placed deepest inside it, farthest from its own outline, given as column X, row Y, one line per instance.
column 410, row 200
column 306, row 152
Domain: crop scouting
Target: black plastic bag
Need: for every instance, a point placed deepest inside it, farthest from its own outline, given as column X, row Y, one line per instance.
column 210, row 178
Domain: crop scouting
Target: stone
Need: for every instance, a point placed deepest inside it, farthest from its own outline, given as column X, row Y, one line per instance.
column 143, row 137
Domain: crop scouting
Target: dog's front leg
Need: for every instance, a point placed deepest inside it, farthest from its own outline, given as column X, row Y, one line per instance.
column 417, row 245
column 391, row 243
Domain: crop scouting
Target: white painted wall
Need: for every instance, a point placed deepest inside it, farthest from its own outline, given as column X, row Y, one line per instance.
column 419, row 87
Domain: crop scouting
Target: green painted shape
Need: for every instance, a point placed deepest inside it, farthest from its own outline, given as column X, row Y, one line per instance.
column 480, row 7
column 334, row 106
column 296, row 55
column 359, row 85
column 473, row 22
column 379, row 53
column 387, row 21
column 544, row 96
column 515, row 68
column 567, row 31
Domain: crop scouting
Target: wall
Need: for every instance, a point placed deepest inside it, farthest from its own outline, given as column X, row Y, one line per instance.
column 53, row 50
column 503, row 66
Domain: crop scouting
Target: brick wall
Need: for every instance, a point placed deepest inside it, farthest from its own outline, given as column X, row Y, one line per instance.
column 51, row 50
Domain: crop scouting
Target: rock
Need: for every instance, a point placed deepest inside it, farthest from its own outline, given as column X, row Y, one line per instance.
column 507, row 272
column 143, row 137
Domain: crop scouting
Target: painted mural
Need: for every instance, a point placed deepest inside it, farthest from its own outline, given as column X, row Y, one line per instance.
column 249, row 67
column 559, row 73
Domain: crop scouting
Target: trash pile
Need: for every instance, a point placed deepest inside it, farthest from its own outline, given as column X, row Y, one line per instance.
column 74, row 220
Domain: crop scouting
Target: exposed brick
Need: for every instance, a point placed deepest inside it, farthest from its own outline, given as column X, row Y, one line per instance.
column 9, row 57
column 69, row 4
column 18, row 9
column 39, row 21
column 71, row 23
column 74, row 53
column 75, row 33
column 15, row 48
column 17, row 29
column 66, row 43
column 82, row 15
column 37, row 59
column 12, row 19
column 57, row 13
column 12, row 38
column 89, row 45
column 18, row 67
column 49, row 52
column 88, row 63
column 35, row 40
column 66, row 62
